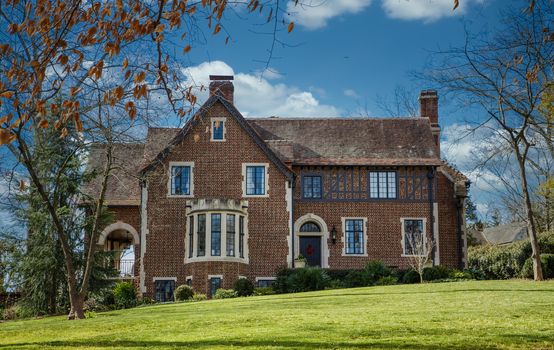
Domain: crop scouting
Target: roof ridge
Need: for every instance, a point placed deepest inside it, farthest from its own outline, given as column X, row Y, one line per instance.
column 335, row 118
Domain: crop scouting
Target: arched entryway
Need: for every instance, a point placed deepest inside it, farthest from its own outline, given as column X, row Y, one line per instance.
column 121, row 239
column 310, row 239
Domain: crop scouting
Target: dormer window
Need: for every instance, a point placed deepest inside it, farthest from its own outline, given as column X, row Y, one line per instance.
column 218, row 129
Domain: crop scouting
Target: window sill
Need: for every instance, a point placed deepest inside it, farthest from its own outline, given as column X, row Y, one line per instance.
column 355, row 255
column 412, row 256
column 255, row 196
column 215, row 140
column 180, row 196
column 216, row 258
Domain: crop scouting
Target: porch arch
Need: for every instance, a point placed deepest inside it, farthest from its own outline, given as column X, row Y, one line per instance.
column 323, row 233
column 118, row 225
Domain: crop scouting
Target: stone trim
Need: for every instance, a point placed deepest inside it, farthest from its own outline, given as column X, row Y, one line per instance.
column 118, row 225
column 404, row 233
column 343, row 236
column 154, row 279
column 324, row 234
column 222, row 120
column 191, row 180
column 266, row 194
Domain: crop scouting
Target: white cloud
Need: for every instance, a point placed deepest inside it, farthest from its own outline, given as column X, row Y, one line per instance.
column 351, row 93
column 315, row 14
column 258, row 97
column 426, row 10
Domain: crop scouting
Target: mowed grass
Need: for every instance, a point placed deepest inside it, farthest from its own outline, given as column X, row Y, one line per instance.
column 463, row 315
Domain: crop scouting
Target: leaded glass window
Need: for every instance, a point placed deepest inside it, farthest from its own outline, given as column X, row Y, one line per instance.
column 191, row 236
column 414, row 237
column 310, row 227
column 354, row 231
column 180, row 180
column 241, row 236
column 230, row 235
column 201, row 249
column 255, row 180
column 216, row 234
column 382, row 184
column 311, row 186
column 217, row 130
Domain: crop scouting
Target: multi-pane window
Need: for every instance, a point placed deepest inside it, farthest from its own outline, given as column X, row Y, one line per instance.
column 311, row 186
column 414, row 237
column 201, row 251
column 230, row 235
column 216, row 234
column 382, row 184
column 164, row 290
column 191, row 236
column 180, row 180
column 265, row 283
column 354, row 231
column 218, row 130
column 255, row 180
column 215, row 284
column 241, row 236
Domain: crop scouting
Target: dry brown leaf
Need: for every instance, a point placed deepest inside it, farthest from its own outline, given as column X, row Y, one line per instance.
column 290, row 27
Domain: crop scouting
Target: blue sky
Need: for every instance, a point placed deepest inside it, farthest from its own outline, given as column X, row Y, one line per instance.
column 343, row 54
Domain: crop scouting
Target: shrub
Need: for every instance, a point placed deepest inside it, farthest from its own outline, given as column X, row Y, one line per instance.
column 460, row 275
column 356, row 278
column 281, row 284
column 225, row 294
column 264, row 291
column 375, row 270
column 11, row 313
column 199, row 297
column 125, row 295
column 337, row 274
column 410, row 276
column 547, row 263
column 183, row 293
column 336, row 284
column 434, row 273
column 307, row 279
column 505, row 261
column 244, row 287
column 387, row 281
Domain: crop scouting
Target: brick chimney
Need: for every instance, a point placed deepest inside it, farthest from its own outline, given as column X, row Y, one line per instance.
column 222, row 85
column 429, row 108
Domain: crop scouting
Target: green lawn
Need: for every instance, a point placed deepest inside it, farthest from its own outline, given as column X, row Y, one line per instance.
column 463, row 315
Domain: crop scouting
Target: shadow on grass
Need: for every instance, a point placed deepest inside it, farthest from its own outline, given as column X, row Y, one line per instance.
column 283, row 344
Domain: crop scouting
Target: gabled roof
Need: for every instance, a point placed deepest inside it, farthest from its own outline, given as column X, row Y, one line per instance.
column 349, row 141
column 240, row 120
column 504, row 234
column 123, row 184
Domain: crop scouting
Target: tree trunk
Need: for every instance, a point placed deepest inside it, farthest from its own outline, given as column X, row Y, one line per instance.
column 77, row 311
column 536, row 255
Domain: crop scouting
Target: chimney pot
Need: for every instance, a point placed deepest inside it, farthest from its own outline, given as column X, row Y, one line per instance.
column 222, row 85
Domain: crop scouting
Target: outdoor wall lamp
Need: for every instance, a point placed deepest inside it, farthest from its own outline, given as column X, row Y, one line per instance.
column 334, row 235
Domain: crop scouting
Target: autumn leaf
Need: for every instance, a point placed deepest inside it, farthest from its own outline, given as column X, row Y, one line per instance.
column 186, row 49
column 7, row 94
column 456, row 4
column 125, row 63
column 290, row 27
column 217, row 28
column 5, row 136
column 21, row 185
column 43, row 124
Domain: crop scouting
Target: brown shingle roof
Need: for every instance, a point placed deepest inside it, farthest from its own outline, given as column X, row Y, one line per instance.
column 156, row 140
column 349, row 141
column 123, row 184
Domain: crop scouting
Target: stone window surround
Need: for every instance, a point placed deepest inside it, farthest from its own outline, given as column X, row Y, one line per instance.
column 266, row 194
column 404, row 233
column 208, row 208
column 191, row 180
column 222, row 120
column 343, row 236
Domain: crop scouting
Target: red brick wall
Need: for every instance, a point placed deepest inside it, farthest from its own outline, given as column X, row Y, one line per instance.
column 217, row 174
column 448, row 231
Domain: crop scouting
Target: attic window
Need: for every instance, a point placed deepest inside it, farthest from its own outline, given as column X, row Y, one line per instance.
column 218, row 129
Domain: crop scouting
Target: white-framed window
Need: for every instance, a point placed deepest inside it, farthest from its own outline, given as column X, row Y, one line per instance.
column 265, row 281
column 218, row 129
column 354, row 236
column 217, row 236
column 382, row 184
column 255, row 181
column 414, row 236
column 181, row 176
column 216, row 282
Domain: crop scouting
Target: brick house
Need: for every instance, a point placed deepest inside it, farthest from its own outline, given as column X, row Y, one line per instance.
column 227, row 197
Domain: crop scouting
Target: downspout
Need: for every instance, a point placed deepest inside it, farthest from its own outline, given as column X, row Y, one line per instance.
column 292, row 236
column 431, row 181
column 459, row 207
